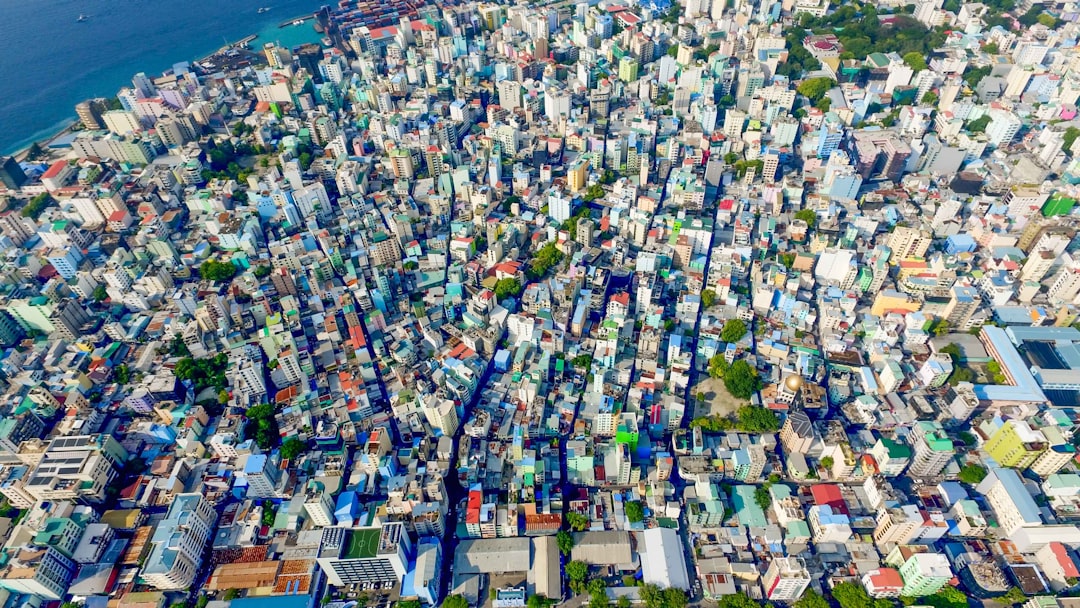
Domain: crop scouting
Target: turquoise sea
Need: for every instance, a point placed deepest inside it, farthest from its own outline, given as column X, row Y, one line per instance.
column 49, row 61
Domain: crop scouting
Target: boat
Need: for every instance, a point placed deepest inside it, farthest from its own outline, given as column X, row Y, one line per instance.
column 298, row 22
column 326, row 41
column 263, row 9
column 81, row 18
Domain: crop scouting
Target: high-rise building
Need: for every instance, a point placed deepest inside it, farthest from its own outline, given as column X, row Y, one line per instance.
column 830, row 135
column 906, row 242
column 365, row 555
column 933, row 449
column 577, row 173
column 179, row 543
column 925, row 574
column 89, row 113
column 262, row 474
column 786, row 579
column 11, row 174
column 1010, row 501
column 1015, row 444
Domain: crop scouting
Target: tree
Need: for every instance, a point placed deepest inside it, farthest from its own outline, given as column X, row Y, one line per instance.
column 811, row 599
column 674, row 598
column 212, row 270
column 996, row 375
column 538, row 601
column 123, row 375
column 731, row 158
column 577, row 522
column 507, row 288
column 972, row 474
column 755, row 418
column 292, row 448
column 734, row 330
column 37, row 205
column 930, row 98
column 1013, row 596
column 407, row 604
column 1070, row 135
column 455, row 601
column 763, row 497
column 622, row 602
column 577, row 571
column 261, row 271
column 828, row 462
column 598, row 594
column 99, row 294
column 708, row 298
column 262, row 426
column 948, row 597
column 807, row 215
column 736, row 600
column 915, row 61
column 979, row 124
column 231, row 594
column 742, row 380
column 851, row 595
column 815, row 88
column 565, row 540
column 652, row 596
column 718, row 366
column 635, row 512
column 202, row 601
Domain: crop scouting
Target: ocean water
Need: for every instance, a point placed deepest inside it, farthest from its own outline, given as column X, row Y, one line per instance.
column 49, row 61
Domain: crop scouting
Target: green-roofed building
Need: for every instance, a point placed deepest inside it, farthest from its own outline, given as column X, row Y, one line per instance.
column 746, row 507
column 366, row 555
column 933, row 450
column 891, row 457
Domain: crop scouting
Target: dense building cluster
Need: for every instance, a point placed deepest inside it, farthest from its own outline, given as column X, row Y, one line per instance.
column 516, row 304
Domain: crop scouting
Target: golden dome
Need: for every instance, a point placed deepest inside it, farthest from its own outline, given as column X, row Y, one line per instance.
column 793, row 383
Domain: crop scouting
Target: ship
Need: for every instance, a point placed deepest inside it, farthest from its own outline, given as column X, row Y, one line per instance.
column 263, row 9
column 298, row 22
column 81, row 18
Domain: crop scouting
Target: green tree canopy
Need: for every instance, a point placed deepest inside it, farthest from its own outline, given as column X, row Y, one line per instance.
column 708, row 298
column 972, row 474
column 292, row 448
column 507, row 288
column 565, row 540
column 807, row 215
column 742, row 380
column 815, row 88
column 979, row 124
column 718, row 366
column 915, row 61
column 811, row 599
column 455, row 601
column 212, row 270
column 635, row 512
column 755, row 418
column 734, row 330
column 577, row 522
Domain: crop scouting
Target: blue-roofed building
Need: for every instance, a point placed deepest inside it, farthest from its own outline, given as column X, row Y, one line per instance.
column 960, row 243
column 346, row 509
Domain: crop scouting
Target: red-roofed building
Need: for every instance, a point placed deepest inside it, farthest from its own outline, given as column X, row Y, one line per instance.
column 883, row 583
column 1058, row 564
column 829, row 494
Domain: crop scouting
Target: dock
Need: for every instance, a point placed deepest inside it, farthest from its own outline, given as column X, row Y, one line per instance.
column 289, row 22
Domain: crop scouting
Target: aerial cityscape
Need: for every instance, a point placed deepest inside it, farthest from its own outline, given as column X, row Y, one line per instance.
column 719, row 303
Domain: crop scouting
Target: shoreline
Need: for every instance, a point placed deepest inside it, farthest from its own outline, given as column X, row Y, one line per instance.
column 61, row 127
